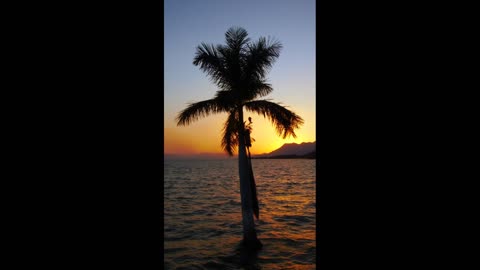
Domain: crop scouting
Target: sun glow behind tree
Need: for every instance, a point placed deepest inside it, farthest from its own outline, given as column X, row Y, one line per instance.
column 292, row 77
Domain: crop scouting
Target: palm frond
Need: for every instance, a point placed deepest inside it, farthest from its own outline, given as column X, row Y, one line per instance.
column 199, row 109
column 230, row 133
column 258, row 88
column 284, row 120
column 261, row 56
column 232, row 63
column 211, row 61
column 227, row 98
column 236, row 38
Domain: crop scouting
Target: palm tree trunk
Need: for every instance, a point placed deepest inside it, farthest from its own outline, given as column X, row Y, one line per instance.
column 249, row 234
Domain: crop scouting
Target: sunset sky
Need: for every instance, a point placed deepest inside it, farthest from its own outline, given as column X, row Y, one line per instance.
column 188, row 23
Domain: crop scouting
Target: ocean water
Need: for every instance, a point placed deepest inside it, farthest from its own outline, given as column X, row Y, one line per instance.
column 203, row 221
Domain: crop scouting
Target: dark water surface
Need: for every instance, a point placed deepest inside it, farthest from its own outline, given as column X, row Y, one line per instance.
column 203, row 221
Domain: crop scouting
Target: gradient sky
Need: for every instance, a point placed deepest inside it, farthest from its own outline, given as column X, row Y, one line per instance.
column 188, row 23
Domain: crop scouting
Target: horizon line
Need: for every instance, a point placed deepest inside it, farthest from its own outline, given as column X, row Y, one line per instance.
column 224, row 153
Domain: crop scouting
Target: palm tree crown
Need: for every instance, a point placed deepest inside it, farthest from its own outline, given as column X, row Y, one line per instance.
column 239, row 69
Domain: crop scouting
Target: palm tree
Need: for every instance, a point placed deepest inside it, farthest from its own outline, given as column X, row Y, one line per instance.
column 239, row 69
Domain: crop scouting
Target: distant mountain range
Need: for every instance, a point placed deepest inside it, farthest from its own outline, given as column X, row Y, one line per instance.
column 293, row 150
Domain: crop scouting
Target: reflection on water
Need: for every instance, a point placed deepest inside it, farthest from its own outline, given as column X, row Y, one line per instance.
column 202, row 214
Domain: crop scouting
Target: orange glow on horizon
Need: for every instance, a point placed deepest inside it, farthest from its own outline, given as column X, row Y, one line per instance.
column 204, row 135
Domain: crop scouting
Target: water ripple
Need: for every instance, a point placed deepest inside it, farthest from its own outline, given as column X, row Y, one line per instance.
column 202, row 213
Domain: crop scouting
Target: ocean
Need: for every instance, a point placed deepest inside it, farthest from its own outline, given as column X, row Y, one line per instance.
column 203, row 221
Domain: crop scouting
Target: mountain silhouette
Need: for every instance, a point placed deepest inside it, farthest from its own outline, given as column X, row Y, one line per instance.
column 292, row 150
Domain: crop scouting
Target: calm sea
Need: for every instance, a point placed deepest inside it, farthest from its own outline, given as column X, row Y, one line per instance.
column 203, row 221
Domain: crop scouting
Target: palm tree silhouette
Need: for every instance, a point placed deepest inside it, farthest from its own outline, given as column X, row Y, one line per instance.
column 239, row 69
